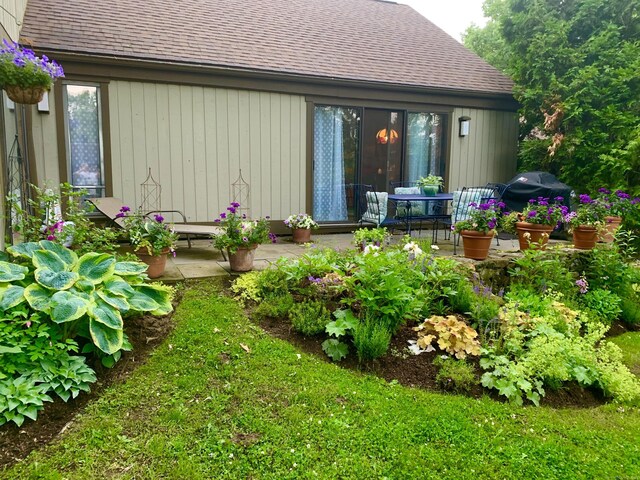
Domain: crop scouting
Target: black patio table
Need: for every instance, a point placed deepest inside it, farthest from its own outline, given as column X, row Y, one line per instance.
column 408, row 198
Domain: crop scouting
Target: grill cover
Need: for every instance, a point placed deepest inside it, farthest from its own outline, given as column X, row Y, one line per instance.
column 525, row 186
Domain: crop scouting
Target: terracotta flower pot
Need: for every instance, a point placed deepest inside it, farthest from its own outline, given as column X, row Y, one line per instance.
column 28, row 95
column 537, row 234
column 476, row 244
column 157, row 263
column 612, row 225
column 242, row 260
column 585, row 237
column 301, row 235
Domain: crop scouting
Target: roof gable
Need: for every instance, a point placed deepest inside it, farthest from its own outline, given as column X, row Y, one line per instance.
column 362, row 40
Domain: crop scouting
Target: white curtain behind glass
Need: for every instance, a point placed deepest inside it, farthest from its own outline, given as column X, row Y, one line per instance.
column 329, row 197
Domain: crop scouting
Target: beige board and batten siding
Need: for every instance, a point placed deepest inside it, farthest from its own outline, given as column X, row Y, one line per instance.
column 488, row 153
column 195, row 140
column 11, row 17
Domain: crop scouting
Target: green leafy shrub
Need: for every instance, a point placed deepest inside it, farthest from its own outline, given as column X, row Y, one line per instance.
column 275, row 306
column 541, row 271
column 316, row 264
column 603, row 304
column 455, row 375
column 21, row 397
column 385, row 288
column 309, row 318
column 246, row 288
column 67, row 376
column 463, row 299
column 74, row 228
column 630, row 311
column 85, row 295
column 371, row 339
column 558, row 346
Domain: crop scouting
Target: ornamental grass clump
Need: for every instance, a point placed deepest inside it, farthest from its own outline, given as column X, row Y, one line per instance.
column 21, row 67
column 240, row 232
column 542, row 211
column 483, row 217
column 146, row 234
column 301, row 220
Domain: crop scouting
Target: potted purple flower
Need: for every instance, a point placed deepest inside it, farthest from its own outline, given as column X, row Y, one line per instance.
column 25, row 76
column 538, row 219
column 585, row 222
column 616, row 205
column 241, row 236
column 478, row 230
column 151, row 239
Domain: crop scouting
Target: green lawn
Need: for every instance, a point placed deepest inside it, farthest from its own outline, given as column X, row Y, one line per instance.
column 202, row 407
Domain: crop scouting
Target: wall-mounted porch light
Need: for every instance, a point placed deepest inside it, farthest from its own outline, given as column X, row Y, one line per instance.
column 465, row 124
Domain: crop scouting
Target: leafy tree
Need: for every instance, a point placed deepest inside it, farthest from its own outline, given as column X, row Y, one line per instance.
column 575, row 64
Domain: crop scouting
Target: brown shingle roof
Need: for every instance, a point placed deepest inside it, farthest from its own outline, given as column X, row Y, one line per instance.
column 367, row 40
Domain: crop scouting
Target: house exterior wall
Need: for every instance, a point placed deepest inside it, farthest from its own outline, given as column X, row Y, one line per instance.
column 196, row 140
column 488, row 153
column 11, row 16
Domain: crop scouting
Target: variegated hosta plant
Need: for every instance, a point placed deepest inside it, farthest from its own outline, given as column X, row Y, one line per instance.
column 86, row 295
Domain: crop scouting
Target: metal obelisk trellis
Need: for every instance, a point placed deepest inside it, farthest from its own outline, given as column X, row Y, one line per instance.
column 240, row 194
column 151, row 195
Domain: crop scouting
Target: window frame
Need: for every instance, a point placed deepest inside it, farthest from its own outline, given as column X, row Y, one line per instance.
column 63, row 134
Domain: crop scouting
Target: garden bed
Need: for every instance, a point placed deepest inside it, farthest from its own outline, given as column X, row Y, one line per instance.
column 145, row 334
column 418, row 371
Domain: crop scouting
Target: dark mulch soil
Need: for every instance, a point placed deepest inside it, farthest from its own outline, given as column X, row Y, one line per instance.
column 145, row 333
column 418, row 370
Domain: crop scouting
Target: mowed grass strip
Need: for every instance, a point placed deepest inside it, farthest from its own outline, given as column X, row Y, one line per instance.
column 204, row 407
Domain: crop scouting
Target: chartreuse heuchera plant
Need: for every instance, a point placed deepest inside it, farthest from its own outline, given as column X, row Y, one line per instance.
column 52, row 303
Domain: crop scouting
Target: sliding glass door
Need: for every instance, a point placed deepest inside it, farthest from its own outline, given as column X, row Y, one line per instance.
column 355, row 146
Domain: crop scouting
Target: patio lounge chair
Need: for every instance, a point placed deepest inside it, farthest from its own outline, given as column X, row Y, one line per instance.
column 110, row 207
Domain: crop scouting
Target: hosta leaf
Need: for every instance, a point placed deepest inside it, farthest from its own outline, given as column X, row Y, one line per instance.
column 160, row 294
column 107, row 315
column 143, row 303
column 107, row 339
column 66, row 307
column 118, row 286
column 10, row 272
column 11, row 296
column 130, row 268
column 48, row 260
column 95, row 267
column 115, row 301
column 55, row 280
column 24, row 249
column 67, row 255
column 335, row 349
column 4, row 257
column 39, row 298
column 85, row 286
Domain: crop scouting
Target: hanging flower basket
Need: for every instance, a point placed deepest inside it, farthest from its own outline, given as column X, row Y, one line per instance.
column 25, row 76
column 28, row 96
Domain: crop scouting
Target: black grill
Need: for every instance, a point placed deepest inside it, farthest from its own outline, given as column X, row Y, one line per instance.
column 525, row 186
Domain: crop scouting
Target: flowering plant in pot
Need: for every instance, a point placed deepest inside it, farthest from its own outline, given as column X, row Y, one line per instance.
column 617, row 205
column 430, row 184
column 478, row 230
column 25, row 76
column 585, row 221
column 301, row 224
column 151, row 239
column 378, row 237
column 538, row 219
column 241, row 236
